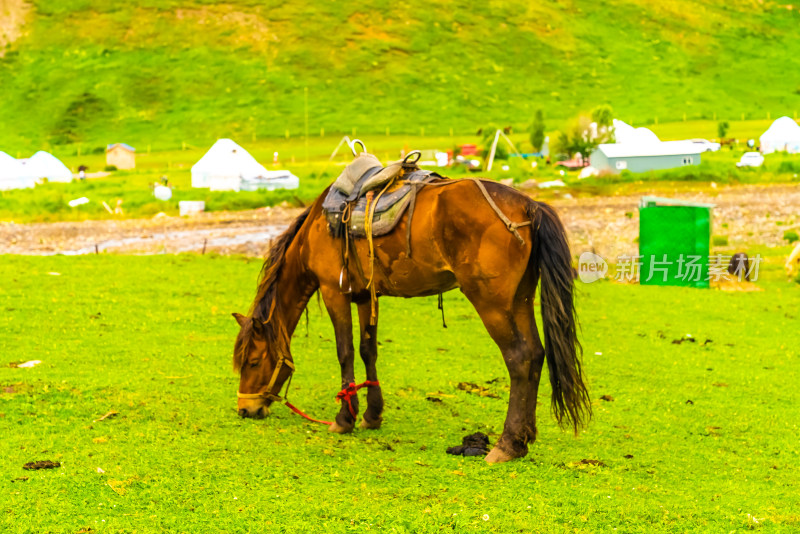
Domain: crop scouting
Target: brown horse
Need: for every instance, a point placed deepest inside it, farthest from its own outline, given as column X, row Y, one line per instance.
column 457, row 240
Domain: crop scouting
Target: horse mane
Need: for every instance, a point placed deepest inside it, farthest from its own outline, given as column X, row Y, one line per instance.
column 263, row 307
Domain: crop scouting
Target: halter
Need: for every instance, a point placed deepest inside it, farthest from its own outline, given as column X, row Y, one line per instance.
column 266, row 393
column 345, row 395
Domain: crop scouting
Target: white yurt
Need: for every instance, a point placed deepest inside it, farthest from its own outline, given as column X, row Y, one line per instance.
column 626, row 134
column 12, row 174
column 45, row 165
column 224, row 167
column 782, row 135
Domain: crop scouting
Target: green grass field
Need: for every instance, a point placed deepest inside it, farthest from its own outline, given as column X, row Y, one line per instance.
column 151, row 338
column 163, row 72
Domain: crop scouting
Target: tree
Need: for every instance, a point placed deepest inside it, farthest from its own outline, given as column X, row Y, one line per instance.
column 722, row 129
column 537, row 131
column 603, row 116
column 586, row 132
column 577, row 138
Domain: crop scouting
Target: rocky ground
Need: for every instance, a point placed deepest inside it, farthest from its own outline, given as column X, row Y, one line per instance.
column 609, row 225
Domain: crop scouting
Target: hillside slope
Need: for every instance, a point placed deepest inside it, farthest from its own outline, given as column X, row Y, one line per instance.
column 164, row 71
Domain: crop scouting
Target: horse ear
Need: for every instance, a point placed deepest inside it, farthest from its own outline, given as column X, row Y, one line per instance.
column 258, row 326
column 241, row 319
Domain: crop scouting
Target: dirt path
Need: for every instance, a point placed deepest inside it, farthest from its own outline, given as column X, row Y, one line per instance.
column 610, row 225
column 746, row 215
column 246, row 232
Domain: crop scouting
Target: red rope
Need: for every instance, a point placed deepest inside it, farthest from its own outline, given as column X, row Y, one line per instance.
column 347, row 393
column 351, row 390
column 301, row 414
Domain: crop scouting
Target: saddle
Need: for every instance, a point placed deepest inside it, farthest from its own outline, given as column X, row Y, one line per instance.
column 392, row 189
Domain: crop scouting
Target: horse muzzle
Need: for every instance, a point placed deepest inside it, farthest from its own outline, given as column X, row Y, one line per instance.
column 253, row 412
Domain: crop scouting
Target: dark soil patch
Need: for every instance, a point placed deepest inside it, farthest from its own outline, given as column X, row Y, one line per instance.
column 41, row 464
column 592, row 462
column 607, row 398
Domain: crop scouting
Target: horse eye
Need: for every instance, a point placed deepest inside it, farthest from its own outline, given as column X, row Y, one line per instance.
column 255, row 364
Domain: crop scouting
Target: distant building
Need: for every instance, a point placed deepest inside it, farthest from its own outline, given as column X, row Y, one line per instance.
column 468, row 149
column 121, row 156
column 782, row 135
column 645, row 157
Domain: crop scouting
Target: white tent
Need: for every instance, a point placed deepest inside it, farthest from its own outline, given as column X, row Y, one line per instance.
column 783, row 134
column 12, row 174
column 224, row 167
column 45, row 165
column 271, row 181
column 627, row 134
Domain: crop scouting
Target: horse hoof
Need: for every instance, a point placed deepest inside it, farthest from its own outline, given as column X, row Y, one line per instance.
column 498, row 456
column 336, row 429
column 370, row 425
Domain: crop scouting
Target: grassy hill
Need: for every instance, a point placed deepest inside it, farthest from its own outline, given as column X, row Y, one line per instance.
column 161, row 72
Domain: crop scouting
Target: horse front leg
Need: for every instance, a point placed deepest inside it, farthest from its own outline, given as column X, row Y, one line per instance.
column 369, row 354
column 338, row 307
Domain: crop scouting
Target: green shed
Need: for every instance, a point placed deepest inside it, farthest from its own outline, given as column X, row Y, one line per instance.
column 674, row 242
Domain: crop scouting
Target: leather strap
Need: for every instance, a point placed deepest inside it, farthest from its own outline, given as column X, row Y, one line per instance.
column 512, row 226
column 360, row 183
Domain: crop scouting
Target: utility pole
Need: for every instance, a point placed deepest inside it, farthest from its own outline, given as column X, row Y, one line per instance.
column 305, row 98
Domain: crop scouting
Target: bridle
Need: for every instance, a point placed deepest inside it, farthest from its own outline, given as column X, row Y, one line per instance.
column 266, row 393
column 345, row 395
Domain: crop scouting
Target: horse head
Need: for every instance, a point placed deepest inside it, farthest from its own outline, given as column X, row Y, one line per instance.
column 263, row 364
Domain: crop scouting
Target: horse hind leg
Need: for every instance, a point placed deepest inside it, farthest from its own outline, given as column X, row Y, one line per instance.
column 368, row 349
column 511, row 328
column 526, row 322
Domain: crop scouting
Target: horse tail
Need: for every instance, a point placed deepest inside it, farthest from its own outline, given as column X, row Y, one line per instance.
column 551, row 260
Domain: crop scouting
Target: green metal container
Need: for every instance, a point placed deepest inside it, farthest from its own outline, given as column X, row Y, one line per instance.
column 674, row 242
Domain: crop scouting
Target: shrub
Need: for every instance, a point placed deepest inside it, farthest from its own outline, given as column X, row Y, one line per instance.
column 719, row 240
column 789, row 166
column 791, row 236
